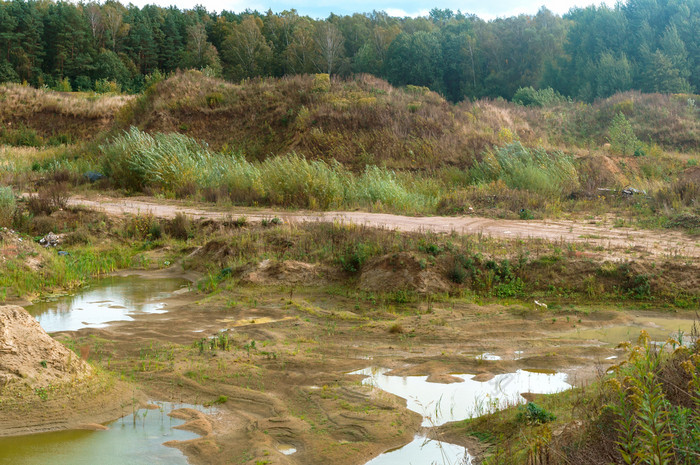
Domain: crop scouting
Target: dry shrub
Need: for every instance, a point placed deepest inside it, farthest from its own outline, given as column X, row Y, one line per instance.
column 48, row 199
column 179, row 227
column 77, row 237
column 495, row 196
column 42, row 224
column 396, row 328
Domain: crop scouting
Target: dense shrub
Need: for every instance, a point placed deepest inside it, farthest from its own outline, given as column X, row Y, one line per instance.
column 7, row 206
column 527, row 169
column 528, row 96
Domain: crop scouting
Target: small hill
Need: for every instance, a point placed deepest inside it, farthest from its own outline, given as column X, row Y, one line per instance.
column 671, row 121
column 30, row 355
column 356, row 122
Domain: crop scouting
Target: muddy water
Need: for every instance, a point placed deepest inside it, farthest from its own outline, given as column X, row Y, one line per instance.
column 110, row 299
column 136, row 439
column 658, row 328
column 441, row 403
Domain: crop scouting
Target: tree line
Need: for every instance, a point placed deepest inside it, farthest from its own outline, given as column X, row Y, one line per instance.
column 649, row 45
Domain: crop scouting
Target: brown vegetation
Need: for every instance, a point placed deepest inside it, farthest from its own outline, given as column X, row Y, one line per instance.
column 62, row 115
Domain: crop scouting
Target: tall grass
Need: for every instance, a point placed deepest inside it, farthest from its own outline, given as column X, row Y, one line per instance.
column 177, row 163
column 527, row 169
column 7, row 206
column 57, row 271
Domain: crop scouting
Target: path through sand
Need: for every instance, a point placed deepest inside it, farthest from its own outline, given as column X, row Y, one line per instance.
column 652, row 244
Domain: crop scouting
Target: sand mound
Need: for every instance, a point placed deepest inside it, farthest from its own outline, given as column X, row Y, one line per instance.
column 286, row 272
column 27, row 353
column 400, row 271
column 213, row 252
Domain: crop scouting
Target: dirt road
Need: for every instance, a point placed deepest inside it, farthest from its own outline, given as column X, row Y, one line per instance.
column 627, row 242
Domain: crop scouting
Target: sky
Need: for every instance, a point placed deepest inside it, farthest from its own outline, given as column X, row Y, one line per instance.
column 322, row 8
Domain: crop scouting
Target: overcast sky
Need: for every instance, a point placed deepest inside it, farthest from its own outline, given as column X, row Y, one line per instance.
column 322, row 8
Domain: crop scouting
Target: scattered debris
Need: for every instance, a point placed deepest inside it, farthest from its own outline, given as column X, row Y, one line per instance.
column 50, row 240
column 630, row 191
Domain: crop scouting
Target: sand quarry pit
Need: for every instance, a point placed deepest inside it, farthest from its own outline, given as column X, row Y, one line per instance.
column 282, row 383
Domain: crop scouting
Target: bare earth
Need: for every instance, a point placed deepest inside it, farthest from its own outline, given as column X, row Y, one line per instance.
column 652, row 244
column 292, row 388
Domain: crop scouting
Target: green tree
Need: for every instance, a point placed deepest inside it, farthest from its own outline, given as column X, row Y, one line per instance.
column 613, row 74
column 622, row 138
column 247, row 53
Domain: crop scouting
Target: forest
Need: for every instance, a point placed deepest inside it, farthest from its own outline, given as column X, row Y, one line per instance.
column 588, row 53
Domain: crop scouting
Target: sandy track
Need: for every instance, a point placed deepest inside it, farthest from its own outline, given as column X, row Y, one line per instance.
column 642, row 243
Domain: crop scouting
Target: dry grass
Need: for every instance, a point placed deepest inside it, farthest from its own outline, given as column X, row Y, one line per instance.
column 22, row 101
column 357, row 122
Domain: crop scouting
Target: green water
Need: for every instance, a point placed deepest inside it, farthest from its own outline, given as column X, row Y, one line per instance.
column 109, row 299
column 133, row 440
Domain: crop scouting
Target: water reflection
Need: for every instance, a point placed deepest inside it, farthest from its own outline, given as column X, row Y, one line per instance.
column 110, row 299
column 136, row 439
column 423, row 451
column 441, row 403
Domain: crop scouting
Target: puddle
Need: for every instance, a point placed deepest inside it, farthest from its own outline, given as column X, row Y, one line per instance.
column 287, row 449
column 110, row 299
column 488, row 356
column 659, row 329
column 442, row 403
column 135, row 440
column 422, row 451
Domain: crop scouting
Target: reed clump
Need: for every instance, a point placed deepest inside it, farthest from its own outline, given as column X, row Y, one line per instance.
column 172, row 162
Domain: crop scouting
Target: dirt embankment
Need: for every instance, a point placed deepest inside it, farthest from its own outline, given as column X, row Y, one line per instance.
column 72, row 116
column 30, row 355
column 619, row 243
column 44, row 386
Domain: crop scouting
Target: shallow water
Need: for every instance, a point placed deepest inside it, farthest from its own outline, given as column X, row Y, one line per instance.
column 133, row 440
column 109, row 299
column 658, row 328
column 441, row 403
column 423, row 451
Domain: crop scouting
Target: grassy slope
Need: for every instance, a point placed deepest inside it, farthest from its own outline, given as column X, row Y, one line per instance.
column 46, row 114
column 358, row 122
column 366, row 121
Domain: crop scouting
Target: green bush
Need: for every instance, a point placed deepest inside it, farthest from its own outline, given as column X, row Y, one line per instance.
column 532, row 414
column 7, row 206
column 527, row 169
column 103, row 86
column 622, row 138
column 528, row 96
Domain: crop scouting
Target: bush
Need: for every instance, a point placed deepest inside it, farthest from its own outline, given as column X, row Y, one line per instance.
column 322, row 83
column 7, row 206
column 21, row 137
column 528, row 96
column 63, row 85
column 179, row 227
column 532, row 414
column 103, row 86
column 527, row 169
column 48, row 199
column 622, row 138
